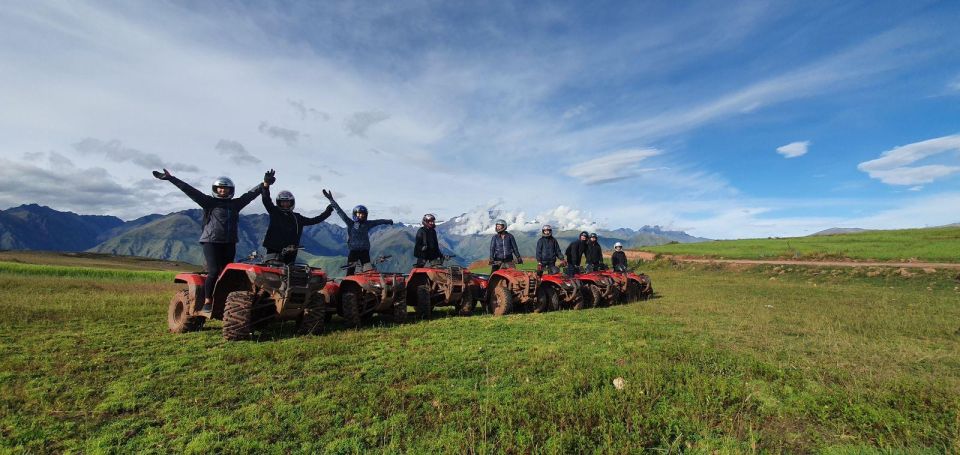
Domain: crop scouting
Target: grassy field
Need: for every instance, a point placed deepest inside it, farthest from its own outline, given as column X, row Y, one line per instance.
column 760, row 360
column 932, row 245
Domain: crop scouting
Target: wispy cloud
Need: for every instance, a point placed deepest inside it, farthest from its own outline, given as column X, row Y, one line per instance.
column 115, row 151
column 895, row 166
column 236, row 152
column 290, row 137
column 621, row 165
column 358, row 123
column 307, row 111
column 794, row 149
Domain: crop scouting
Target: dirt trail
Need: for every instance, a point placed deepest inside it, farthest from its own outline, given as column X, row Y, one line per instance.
column 648, row 256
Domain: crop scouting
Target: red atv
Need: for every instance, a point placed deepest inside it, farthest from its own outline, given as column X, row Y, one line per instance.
column 370, row 291
column 248, row 296
column 508, row 288
column 557, row 290
column 435, row 285
column 621, row 285
column 596, row 289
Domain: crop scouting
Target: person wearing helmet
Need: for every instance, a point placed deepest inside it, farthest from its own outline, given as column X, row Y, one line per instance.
column 503, row 247
column 619, row 258
column 286, row 226
column 221, row 218
column 575, row 252
column 548, row 250
column 594, row 254
column 358, row 232
column 426, row 247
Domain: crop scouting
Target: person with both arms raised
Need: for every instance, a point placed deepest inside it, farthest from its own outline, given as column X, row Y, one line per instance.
column 575, row 252
column 221, row 218
column 548, row 250
column 503, row 247
column 286, row 226
column 426, row 248
column 358, row 232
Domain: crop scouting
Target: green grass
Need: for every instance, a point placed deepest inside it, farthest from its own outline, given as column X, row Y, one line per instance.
column 767, row 360
column 13, row 268
column 933, row 245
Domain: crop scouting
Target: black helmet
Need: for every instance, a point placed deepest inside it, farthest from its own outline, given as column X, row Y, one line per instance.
column 584, row 234
column 222, row 182
column 286, row 196
column 428, row 218
column 593, row 235
column 359, row 209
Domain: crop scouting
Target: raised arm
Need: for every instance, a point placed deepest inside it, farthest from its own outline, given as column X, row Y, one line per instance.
column 201, row 199
column 375, row 223
column 319, row 218
column 249, row 196
column 267, row 202
column 343, row 216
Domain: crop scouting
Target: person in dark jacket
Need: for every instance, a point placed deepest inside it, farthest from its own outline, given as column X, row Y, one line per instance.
column 221, row 217
column 503, row 247
column 286, row 226
column 594, row 254
column 618, row 259
column 426, row 247
column 358, row 232
column 575, row 252
column 548, row 250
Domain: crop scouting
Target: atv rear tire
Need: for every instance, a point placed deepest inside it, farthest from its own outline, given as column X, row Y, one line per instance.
column 591, row 297
column 633, row 291
column 547, row 299
column 312, row 321
column 424, row 307
column 501, row 302
column 177, row 319
column 468, row 301
column 399, row 314
column 351, row 309
column 238, row 316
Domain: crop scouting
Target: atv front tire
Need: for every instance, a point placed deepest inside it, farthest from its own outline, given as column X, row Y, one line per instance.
column 351, row 309
column 501, row 302
column 424, row 307
column 312, row 321
column 238, row 316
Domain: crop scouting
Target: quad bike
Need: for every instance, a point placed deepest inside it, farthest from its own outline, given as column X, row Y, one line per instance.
column 369, row 291
column 621, row 284
column 557, row 290
column 596, row 288
column 509, row 288
column 251, row 294
column 435, row 284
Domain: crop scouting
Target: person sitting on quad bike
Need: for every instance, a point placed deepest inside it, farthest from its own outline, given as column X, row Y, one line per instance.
column 427, row 248
column 594, row 254
column 619, row 258
column 286, row 226
column 358, row 232
column 575, row 252
column 548, row 251
column 503, row 247
column 221, row 217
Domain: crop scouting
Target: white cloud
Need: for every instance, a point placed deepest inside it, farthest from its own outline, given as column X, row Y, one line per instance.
column 358, row 123
column 894, row 166
column 955, row 84
column 236, row 152
column 793, row 149
column 482, row 219
column 621, row 165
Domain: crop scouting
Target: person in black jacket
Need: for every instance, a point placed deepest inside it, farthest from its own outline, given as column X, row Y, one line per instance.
column 503, row 247
column 548, row 250
column 286, row 226
column 427, row 248
column 221, row 217
column 594, row 254
column 618, row 259
column 575, row 252
column 358, row 232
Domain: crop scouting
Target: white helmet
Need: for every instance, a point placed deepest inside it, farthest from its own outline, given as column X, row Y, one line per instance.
column 223, row 182
column 618, row 245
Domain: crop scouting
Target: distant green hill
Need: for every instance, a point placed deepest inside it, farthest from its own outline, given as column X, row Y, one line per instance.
column 930, row 244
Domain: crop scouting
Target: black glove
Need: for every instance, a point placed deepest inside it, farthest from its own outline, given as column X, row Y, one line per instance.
column 519, row 260
column 328, row 194
column 268, row 177
column 165, row 175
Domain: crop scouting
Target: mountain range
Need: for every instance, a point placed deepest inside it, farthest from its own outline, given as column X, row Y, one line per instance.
column 174, row 236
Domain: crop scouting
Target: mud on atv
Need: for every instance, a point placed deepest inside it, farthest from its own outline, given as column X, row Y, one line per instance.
column 436, row 284
column 596, row 288
column 250, row 295
column 369, row 291
column 557, row 290
column 510, row 289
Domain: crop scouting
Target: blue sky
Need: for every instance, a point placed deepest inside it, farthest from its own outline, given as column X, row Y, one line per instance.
column 740, row 119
